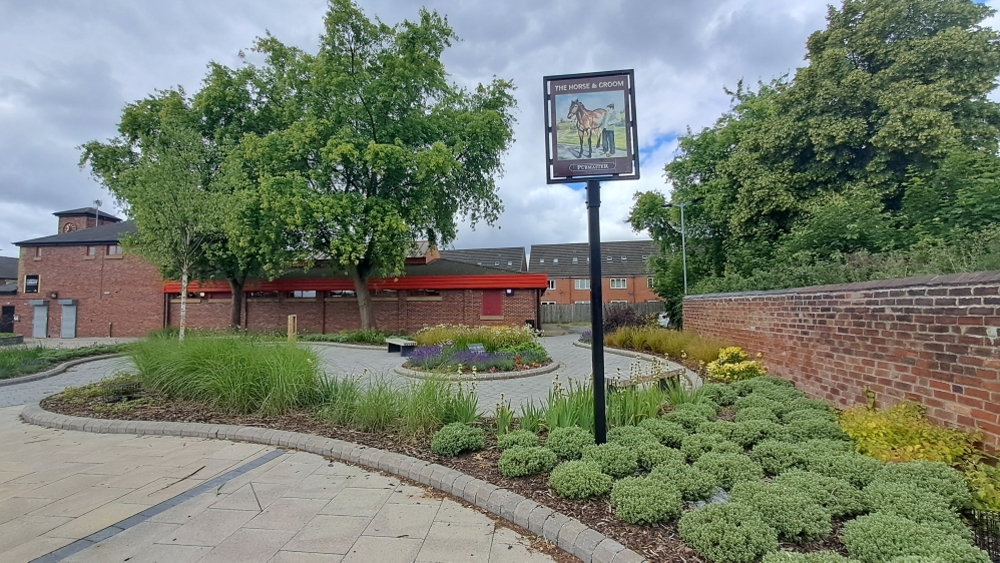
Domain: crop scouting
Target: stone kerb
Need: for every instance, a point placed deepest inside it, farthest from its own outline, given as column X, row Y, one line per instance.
column 569, row 534
column 482, row 375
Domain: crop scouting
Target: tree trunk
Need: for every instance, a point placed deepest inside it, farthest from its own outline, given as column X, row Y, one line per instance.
column 236, row 307
column 184, row 304
column 365, row 304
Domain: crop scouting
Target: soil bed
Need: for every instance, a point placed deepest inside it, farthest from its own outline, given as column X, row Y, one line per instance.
column 658, row 543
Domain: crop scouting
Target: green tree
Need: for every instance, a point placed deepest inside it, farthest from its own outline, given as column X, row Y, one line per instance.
column 380, row 151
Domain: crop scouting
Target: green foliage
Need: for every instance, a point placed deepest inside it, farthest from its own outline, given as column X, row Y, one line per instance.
column 651, row 455
column 24, row 360
column 901, row 433
column 633, row 404
column 615, row 460
column 493, row 338
column 707, row 409
column 755, row 413
column 837, row 496
column 776, row 456
column 929, row 475
column 746, row 433
column 915, row 503
column 532, row 416
column 693, row 484
column 814, row 557
column 809, row 414
column 697, row 445
column 668, row 433
column 517, row 439
column 370, row 336
column 676, row 344
column 645, row 501
column 857, row 469
column 521, row 461
column 758, row 401
column 457, row 438
column 689, row 419
column 503, row 417
column 727, row 533
column 815, row 429
column 579, row 480
column 730, row 371
column 721, row 394
column 794, row 515
column 568, row 442
column 572, row 405
column 729, row 468
column 879, row 537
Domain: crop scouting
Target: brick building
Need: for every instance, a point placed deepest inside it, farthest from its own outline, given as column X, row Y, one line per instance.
column 78, row 283
column 624, row 270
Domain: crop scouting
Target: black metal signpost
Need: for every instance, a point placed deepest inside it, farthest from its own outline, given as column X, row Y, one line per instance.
column 590, row 135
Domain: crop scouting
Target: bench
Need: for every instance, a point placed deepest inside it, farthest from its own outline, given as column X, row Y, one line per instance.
column 402, row 345
column 661, row 378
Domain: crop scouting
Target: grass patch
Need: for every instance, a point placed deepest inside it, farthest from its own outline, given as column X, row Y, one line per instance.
column 25, row 360
column 676, row 344
column 350, row 337
column 493, row 338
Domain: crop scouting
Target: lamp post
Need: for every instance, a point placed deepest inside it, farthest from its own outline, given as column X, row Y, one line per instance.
column 684, row 256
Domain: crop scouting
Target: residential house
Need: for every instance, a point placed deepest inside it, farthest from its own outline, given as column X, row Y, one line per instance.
column 625, row 273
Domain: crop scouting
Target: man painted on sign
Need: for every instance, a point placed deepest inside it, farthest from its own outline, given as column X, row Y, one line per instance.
column 608, row 134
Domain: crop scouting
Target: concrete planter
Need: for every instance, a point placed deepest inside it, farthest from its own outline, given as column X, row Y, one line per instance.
column 12, row 340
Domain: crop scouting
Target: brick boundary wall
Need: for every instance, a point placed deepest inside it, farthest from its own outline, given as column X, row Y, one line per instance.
column 931, row 339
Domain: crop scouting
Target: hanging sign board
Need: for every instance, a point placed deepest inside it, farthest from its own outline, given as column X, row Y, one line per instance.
column 590, row 127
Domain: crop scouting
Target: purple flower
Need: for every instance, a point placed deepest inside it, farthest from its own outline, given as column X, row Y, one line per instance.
column 424, row 353
column 476, row 357
column 586, row 335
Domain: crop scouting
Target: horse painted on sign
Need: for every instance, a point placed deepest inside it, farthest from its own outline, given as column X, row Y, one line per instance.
column 588, row 122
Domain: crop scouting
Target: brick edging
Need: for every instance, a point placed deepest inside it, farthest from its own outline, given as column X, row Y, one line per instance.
column 569, row 534
column 56, row 370
column 693, row 379
column 482, row 375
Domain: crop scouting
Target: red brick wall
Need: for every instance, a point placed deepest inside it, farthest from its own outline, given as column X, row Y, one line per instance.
column 931, row 339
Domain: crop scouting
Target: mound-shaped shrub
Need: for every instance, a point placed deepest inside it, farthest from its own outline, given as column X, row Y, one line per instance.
column 631, row 436
column 720, row 394
column 880, row 537
column 820, row 447
column 839, row 497
column 815, row 429
column 456, row 438
column 758, row 402
column 668, row 433
column 857, row 469
column 923, row 506
column 708, row 409
column 755, row 413
column 517, row 439
column 815, row 557
column 730, row 469
column 645, row 501
column 777, row 457
column 615, row 460
column 689, row 419
column 794, row 515
column 654, row 454
column 935, row 476
column 568, row 442
column 518, row 462
column 693, row 484
column 696, row 445
column 727, row 533
column 579, row 480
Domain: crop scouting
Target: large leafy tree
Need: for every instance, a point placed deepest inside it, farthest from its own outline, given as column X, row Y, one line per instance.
column 380, row 150
column 892, row 96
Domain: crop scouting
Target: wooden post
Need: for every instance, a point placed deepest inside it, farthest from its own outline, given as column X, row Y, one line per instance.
column 293, row 328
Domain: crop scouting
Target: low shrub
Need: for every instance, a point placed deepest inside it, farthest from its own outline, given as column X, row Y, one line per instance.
column 696, row 445
column 807, row 404
column 693, row 484
column 857, row 469
column 776, row 456
column 756, row 413
column 653, row 454
column 616, row 460
column 645, row 501
column 579, row 480
column 689, row 419
column 668, row 433
column 814, row 557
column 750, row 432
column 727, row 533
column 794, row 515
column 707, row 409
column 821, row 447
column 729, row 468
column 456, row 438
column 809, row 414
column 815, row 429
column 839, row 497
column 933, row 476
column 880, row 537
column 631, row 436
column 493, row 338
column 755, row 401
column 517, row 439
column 568, row 442
column 901, row 433
column 25, row 359
column 518, row 462
column 914, row 503
column 733, row 364
column 721, row 394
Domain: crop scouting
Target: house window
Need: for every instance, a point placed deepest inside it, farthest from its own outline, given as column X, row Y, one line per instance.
column 307, row 294
column 618, row 283
column 492, row 303
column 38, row 252
column 649, row 283
column 31, row 283
column 114, row 250
column 582, row 284
column 552, row 284
column 91, row 251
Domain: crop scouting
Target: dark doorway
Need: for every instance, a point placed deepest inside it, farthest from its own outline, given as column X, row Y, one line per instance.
column 7, row 318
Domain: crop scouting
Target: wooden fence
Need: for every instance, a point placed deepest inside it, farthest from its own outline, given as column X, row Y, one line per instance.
column 580, row 312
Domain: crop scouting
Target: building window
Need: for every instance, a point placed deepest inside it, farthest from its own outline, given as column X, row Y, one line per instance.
column 582, row 284
column 31, row 283
column 91, row 251
column 345, row 293
column 618, row 283
column 114, row 250
column 38, row 252
column 581, row 302
column 552, row 284
column 649, row 283
column 307, row 294
column 618, row 301
column 263, row 295
column 548, row 302
column 423, row 293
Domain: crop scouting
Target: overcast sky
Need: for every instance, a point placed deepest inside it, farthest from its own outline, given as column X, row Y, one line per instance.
column 69, row 66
